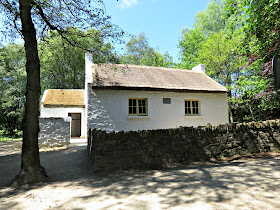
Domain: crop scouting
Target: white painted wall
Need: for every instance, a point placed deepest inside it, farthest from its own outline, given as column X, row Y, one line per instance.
column 54, row 131
column 108, row 110
column 63, row 112
column 88, row 80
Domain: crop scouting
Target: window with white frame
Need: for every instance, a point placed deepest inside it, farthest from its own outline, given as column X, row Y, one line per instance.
column 138, row 106
column 192, row 107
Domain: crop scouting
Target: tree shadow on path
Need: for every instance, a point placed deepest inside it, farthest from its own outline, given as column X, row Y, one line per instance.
column 253, row 183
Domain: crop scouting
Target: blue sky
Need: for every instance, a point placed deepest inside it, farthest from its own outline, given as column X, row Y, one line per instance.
column 161, row 20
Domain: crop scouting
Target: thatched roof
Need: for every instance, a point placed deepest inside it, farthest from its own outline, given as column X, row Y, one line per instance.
column 63, row 97
column 121, row 76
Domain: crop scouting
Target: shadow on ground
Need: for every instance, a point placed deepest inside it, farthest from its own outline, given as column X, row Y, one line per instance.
column 241, row 183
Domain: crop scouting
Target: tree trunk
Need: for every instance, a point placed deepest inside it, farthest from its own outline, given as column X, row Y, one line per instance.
column 31, row 169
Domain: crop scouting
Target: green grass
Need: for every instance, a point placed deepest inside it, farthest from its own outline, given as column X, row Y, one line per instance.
column 3, row 139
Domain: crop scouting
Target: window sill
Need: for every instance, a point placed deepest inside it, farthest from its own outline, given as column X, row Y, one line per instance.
column 138, row 117
column 193, row 117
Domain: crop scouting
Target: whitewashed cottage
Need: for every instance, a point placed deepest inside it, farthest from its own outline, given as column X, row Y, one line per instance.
column 128, row 97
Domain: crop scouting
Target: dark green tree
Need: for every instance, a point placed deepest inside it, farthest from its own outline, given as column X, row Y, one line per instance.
column 12, row 88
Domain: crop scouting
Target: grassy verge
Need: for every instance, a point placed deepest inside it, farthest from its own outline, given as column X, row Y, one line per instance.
column 4, row 136
column 3, row 139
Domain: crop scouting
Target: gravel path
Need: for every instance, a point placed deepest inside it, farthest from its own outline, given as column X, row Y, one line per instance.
column 237, row 184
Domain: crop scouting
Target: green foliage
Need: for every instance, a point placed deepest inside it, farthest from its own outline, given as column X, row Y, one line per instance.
column 63, row 65
column 260, row 42
column 206, row 23
column 237, row 60
column 191, row 41
column 12, row 88
column 209, row 44
column 260, row 25
column 139, row 52
column 6, row 136
column 222, row 60
column 212, row 19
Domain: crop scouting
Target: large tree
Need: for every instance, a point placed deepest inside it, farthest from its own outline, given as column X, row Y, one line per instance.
column 139, row 52
column 190, row 43
column 207, row 22
column 212, row 19
column 31, row 18
column 223, row 62
column 208, row 43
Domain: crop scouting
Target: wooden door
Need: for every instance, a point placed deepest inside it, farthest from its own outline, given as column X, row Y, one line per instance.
column 75, row 124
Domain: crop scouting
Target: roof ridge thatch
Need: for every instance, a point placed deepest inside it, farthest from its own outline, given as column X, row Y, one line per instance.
column 146, row 67
column 126, row 76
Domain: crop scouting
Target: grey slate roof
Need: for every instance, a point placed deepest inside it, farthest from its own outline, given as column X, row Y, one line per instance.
column 122, row 76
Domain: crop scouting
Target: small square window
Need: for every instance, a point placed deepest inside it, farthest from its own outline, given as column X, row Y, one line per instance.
column 166, row 100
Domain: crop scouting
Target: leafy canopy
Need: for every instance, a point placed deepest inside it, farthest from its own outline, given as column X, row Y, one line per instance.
column 139, row 52
column 12, row 88
column 61, row 16
column 62, row 65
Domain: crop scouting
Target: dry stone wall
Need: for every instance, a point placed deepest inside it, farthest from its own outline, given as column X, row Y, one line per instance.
column 54, row 131
column 153, row 149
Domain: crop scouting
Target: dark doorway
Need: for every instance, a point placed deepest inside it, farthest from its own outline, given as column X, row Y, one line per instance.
column 75, row 124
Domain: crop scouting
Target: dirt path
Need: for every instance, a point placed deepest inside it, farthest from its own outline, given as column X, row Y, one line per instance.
column 238, row 184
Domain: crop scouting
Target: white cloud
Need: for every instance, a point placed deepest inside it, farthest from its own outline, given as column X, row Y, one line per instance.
column 128, row 3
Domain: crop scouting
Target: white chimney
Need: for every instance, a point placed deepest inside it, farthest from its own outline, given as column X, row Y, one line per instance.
column 199, row 68
column 88, row 80
column 88, row 66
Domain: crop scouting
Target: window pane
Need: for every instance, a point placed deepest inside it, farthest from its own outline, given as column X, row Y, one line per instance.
column 134, row 110
column 130, row 110
column 188, row 110
column 134, row 102
column 143, row 102
column 195, row 103
column 140, row 110
column 130, row 102
column 144, row 110
column 195, row 110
